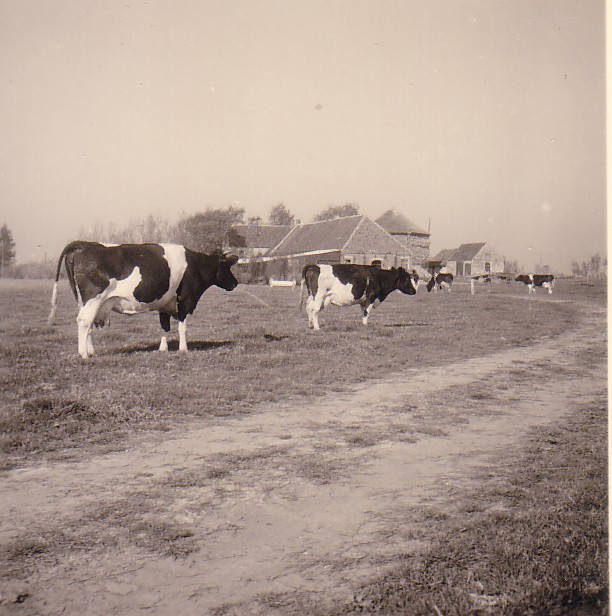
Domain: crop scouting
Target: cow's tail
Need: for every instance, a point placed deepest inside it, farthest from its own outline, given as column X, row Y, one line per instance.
column 67, row 250
column 302, row 295
column 304, row 285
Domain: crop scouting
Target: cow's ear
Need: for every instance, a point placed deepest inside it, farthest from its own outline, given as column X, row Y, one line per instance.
column 401, row 270
column 230, row 259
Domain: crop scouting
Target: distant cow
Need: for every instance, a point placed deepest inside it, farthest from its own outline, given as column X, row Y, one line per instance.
column 546, row 281
column 345, row 284
column 440, row 281
column 135, row 278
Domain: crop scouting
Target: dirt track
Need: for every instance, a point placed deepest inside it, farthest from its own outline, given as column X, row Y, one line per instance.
column 294, row 498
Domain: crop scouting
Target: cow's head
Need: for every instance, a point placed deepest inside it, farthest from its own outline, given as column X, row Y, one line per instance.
column 225, row 279
column 404, row 281
column 431, row 284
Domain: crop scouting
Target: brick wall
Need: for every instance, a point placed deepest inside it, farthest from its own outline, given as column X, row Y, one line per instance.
column 370, row 237
column 417, row 246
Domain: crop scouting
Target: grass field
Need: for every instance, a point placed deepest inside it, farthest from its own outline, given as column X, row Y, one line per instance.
column 262, row 421
column 248, row 347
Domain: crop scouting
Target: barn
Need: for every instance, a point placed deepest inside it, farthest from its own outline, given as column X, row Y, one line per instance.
column 415, row 239
column 350, row 239
column 248, row 241
column 468, row 260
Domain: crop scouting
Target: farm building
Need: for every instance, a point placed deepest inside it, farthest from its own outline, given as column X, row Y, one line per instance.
column 404, row 230
column 249, row 241
column 468, row 260
column 351, row 239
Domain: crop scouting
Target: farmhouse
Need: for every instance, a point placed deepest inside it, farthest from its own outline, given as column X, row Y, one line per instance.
column 410, row 235
column 468, row 260
column 350, row 239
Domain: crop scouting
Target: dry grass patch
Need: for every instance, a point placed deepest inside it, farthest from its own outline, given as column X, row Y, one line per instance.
column 535, row 542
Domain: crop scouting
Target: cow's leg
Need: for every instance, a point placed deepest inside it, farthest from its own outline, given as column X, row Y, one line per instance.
column 85, row 320
column 164, row 321
column 309, row 311
column 316, row 305
column 90, row 348
column 182, row 330
column 367, row 308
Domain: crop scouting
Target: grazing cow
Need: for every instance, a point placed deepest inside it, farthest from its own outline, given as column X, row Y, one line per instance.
column 345, row 284
column 546, row 281
column 440, row 281
column 134, row 278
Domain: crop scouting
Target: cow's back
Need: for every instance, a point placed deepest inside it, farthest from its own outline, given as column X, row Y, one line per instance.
column 157, row 268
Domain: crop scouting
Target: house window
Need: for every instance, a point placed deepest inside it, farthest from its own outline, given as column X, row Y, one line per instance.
column 377, row 263
column 488, row 268
column 459, row 268
column 467, row 270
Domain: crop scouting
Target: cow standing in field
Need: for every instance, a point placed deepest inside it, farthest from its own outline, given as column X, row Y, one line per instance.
column 546, row 281
column 440, row 282
column 135, row 278
column 345, row 284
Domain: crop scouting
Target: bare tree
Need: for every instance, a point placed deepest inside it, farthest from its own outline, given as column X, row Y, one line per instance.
column 591, row 268
column 511, row 266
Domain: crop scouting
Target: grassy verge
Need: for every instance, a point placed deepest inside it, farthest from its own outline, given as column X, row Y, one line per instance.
column 533, row 542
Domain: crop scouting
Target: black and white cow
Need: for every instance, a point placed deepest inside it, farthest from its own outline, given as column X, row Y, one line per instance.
column 440, row 281
column 135, row 278
column 345, row 284
column 546, row 281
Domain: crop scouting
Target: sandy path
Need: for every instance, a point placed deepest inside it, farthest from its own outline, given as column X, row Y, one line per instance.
column 273, row 525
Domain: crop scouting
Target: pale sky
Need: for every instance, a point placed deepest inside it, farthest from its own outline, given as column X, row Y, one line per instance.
column 485, row 117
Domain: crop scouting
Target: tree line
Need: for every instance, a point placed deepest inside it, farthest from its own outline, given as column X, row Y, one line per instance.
column 211, row 229
column 205, row 231
column 594, row 267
